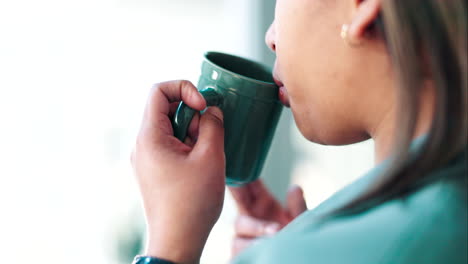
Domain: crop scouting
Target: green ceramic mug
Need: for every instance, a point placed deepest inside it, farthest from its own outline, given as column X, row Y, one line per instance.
column 246, row 93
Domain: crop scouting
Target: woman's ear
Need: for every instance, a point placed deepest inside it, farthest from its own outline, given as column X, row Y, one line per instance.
column 366, row 12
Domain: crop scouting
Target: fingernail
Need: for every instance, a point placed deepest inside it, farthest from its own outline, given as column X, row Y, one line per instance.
column 294, row 187
column 216, row 112
column 272, row 229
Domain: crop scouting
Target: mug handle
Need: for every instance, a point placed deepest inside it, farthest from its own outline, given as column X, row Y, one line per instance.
column 184, row 114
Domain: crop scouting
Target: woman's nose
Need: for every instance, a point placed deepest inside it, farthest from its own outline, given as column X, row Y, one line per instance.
column 270, row 37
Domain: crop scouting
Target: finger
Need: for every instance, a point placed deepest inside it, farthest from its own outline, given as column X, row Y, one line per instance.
column 192, row 134
column 247, row 226
column 256, row 200
column 211, row 133
column 181, row 90
column 193, row 127
column 240, row 244
column 245, row 195
column 159, row 105
column 173, row 108
column 295, row 201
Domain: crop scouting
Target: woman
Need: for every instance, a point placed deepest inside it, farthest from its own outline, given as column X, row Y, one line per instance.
column 396, row 72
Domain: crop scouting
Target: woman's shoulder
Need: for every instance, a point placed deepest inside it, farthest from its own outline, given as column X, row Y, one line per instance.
column 428, row 226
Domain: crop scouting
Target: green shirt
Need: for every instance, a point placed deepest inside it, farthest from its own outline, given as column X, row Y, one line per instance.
column 428, row 226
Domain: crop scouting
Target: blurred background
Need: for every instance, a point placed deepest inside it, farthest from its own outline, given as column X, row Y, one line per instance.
column 74, row 76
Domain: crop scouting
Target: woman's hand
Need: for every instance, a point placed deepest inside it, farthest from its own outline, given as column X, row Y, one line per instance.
column 182, row 185
column 260, row 214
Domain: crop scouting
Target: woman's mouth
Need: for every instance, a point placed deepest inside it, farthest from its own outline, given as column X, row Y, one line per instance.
column 283, row 96
column 282, row 93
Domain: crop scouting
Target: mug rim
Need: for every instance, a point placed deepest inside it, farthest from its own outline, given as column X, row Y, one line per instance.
column 263, row 67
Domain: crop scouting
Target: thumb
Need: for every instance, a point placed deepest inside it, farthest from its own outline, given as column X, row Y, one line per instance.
column 211, row 133
column 295, row 201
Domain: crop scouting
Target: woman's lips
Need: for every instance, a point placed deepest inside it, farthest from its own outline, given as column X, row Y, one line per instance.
column 283, row 96
column 282, row 93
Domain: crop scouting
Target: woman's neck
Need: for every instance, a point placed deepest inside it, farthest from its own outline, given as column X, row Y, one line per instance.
column 385, row 130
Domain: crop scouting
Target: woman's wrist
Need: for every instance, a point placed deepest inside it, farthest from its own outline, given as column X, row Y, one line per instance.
column 179, row 247
column 150, row 260
column 178, row 254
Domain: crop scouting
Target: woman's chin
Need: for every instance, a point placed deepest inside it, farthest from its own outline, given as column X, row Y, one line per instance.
column 333, row 136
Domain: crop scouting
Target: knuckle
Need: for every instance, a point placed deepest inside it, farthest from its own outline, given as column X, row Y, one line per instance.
column 216, row 120
column 192, row 93
column 185, row 83
column 155, row 87
column 161, row 85
column 188, row 88
column 217, row 112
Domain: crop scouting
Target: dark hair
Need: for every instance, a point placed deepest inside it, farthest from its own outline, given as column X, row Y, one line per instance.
column 425, row 39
